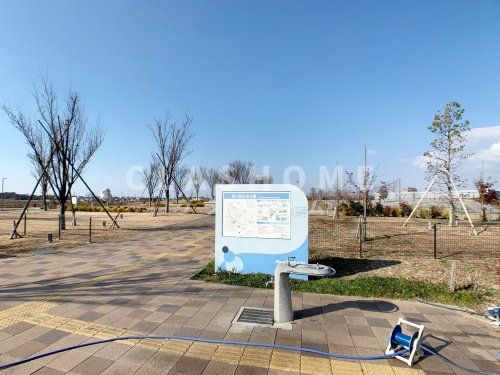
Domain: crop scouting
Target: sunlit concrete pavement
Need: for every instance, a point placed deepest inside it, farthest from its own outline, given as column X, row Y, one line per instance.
column 141, row 285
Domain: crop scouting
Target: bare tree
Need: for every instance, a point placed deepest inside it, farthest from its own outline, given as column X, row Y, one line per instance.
column 181, row 176
column 69, row 134
column 312, row 193
column 151, row 178
column 363, row 186
column 172, row 146
column 263, row 180
column 197, row 178
column 212, row 177
column 448, row 154
column 39, row 157
column 240, row 172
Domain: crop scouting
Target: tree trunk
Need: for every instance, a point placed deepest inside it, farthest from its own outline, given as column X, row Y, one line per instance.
column 44, row 196
column 62, row 211
column 167, row 206
column 451, row 220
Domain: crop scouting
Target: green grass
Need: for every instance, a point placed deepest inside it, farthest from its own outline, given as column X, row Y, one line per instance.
column 363, row 286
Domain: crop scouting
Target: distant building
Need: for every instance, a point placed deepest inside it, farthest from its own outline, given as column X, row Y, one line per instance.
column 411, row 190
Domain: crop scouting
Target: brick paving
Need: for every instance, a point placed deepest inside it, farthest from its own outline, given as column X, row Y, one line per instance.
column 141, row 285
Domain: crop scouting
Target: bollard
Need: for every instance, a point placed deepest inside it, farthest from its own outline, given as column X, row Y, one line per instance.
column 121, row 216
column 90, row 229
column 59, row 229
column 24, row 232
column 104, row 223
column 49, row 237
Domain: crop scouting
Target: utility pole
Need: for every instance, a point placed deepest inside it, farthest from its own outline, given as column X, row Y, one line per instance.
column 3, row 179
column 365, row 177
column 481, row 193
column 399, row 190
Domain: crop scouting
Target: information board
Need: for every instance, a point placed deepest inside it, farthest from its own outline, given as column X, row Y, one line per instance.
column 256, row 214
column 258, row 226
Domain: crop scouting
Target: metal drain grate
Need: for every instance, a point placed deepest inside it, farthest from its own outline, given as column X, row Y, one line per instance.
column 255, row 316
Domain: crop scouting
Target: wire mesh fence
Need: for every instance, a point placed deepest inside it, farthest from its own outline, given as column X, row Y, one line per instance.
column 387, row 238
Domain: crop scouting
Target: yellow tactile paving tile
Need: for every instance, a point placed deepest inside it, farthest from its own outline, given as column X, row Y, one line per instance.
column 229, row 354
column 201, row 350
column 373, row 369
column 22, row 312
column 407, row 371
column 254, row 356
column 315, row 365
column 287, row 361
column 176, row 346
column 345, row 367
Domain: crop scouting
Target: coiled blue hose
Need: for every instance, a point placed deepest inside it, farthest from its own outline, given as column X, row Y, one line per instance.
column 211, row 341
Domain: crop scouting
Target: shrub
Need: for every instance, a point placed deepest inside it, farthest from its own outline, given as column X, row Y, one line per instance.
column 352, row 208
column 396, row 211
column 195, row 203
column 424, row 213
column 378, row 210
column 445, row 214
column 435, row 212
column 387, row 211
column 406, row 209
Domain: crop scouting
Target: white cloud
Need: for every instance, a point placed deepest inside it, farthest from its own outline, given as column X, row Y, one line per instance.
column 420, row 162
column 484, row 145
column 371, row 152
column 482, row 135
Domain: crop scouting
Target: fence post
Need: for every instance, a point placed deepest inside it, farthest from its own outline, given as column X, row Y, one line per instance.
column 90, row 229
column 453, row 277
column 434, row 229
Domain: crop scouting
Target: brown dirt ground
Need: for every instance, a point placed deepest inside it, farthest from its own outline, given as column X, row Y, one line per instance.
column 41, row 223
column 391, row 250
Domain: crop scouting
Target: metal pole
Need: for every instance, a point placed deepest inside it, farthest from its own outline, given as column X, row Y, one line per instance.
column 90, row 229
column 434, row 229
column 365, row 188
column 59, row 229
column 24, row 232
column 3, row 179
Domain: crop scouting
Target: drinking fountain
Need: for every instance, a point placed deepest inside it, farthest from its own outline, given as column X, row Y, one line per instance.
column 283, row 310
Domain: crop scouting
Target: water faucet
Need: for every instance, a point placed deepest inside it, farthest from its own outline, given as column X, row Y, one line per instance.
column 271, row 281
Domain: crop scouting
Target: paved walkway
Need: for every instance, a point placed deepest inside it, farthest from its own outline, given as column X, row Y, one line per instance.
column 142, row 285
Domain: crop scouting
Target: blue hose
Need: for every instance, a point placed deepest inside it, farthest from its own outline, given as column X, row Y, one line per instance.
column 211, row 341
column 451, row 363
column 255, row 344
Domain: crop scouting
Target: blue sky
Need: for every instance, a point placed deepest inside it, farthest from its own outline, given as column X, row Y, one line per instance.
column 276, row 82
